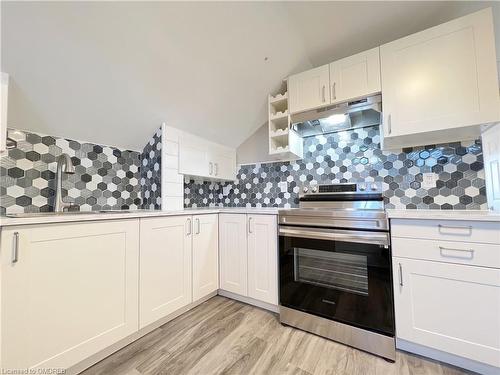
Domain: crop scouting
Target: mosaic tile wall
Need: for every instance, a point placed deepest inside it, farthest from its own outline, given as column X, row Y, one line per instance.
column 151, row 173
column 355, row 156
column 105, row 177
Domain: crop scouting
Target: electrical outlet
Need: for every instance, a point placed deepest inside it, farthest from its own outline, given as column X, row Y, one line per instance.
column 283, row 185
column 429, row 180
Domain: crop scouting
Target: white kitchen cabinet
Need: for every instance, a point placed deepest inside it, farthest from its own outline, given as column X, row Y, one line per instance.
column 309, row 89
column 263, row 258
column 355, row 77
column 165, row 276
column 193, row 156
column 491, row 152
column 201, row 158
column 224, row 164
column 4, row 85
column 68, row 292
column 233, row 253
column 205, row 255
column 453, row 308
column 439, row 84
column 248, row 256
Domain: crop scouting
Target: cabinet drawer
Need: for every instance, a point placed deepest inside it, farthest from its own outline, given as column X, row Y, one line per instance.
column 477, row 254
column 447, row 230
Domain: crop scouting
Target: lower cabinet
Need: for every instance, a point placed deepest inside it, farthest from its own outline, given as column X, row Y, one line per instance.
column 68, row 291
column 450, row 307
column 165, row 276
column 178, row 263
column 205, row 255
column 263, row 258
column 233, row 253
column 248, row 256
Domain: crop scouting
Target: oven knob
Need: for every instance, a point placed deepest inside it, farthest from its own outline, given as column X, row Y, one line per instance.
column 362, row 187
column 314, row 189
column 373, row 187
column 305, row 189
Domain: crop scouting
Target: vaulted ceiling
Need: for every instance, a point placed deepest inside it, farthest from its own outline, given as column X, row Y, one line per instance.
column 112, row 72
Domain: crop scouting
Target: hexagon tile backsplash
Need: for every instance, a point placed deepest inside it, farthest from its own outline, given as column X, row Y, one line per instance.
column 355, row 156
column 105, row 177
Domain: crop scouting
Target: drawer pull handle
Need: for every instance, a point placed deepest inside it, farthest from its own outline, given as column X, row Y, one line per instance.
column 467, row 228
column 400, row 275
column 15, row 247
column 469, row 251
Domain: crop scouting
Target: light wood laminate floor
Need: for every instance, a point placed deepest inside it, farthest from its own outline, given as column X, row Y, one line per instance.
column 222, row 336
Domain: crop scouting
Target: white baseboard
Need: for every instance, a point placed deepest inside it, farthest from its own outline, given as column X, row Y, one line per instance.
column 248, row 300
column 452, row 359
column 92, row 360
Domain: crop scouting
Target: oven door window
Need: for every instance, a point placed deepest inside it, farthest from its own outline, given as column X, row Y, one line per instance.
column 345, row 272
column 346, row 281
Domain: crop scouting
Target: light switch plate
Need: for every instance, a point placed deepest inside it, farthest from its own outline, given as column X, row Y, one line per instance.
column 283, row 185
column 429, row 180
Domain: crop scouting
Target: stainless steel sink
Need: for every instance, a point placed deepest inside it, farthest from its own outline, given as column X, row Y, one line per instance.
column 66, row 213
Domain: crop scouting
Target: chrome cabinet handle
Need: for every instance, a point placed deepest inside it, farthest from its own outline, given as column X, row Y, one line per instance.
column 189, row 230
column 466, row 227
column 15, row 247
column 400, row 275
column 198, row 229
column 250, row 224
column 442, row 249
column 334, row 91
column 323, row 93
column 216, row 168
column 210, row 168
column 389, row 124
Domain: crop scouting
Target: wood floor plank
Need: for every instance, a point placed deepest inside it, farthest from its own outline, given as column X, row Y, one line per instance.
column 222, row 336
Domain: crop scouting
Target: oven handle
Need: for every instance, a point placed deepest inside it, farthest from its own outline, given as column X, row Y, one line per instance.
column 333, row 234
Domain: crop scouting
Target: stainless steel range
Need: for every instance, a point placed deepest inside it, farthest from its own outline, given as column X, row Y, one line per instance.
column 335, row 267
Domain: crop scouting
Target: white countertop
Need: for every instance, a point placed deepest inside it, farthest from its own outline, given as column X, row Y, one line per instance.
column 133, row 214
column 467, row 215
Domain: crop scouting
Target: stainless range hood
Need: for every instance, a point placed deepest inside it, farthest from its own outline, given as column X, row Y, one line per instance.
column 349, row 115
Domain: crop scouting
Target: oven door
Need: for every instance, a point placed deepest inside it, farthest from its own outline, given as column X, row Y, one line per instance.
column 343, row 275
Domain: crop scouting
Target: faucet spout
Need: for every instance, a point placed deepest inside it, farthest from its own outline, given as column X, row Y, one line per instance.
column 64, row 165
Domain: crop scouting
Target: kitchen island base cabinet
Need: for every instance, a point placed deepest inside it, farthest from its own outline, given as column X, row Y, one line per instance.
column 165, row 267
column 248, row 257
column 68, row 291
column 443, row 306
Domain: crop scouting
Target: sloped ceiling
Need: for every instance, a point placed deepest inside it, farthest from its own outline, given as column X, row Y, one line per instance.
column 112, row 72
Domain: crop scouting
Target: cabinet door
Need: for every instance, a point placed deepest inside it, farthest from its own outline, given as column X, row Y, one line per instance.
column 4, row 94
column 71, row 293
column 233, row 253
column 193, row 157
column 355, row 76
column 491, row 152
column 449, row 307
column 165, row 266
column 263, row 258
column 309, row 90
column 440, row 79
column 224, row 166
column 205, row 255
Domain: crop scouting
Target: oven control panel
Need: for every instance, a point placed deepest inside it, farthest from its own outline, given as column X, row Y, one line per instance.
column 363, row 187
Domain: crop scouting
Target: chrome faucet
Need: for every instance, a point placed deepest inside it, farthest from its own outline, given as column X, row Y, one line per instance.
column 64, row 165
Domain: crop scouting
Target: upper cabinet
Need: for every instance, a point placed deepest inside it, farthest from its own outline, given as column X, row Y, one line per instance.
column 201, row 158
column 355, row 76
column 309, row 89
column 348, row 79
column 439, row 84
column 3, row 111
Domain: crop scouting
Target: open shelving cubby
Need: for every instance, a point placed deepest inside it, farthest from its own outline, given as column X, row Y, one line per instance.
column 282, row 139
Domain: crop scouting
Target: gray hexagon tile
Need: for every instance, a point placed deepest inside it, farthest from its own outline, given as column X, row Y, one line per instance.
column 27, row 175
column 151, row 172
column 355, row 156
